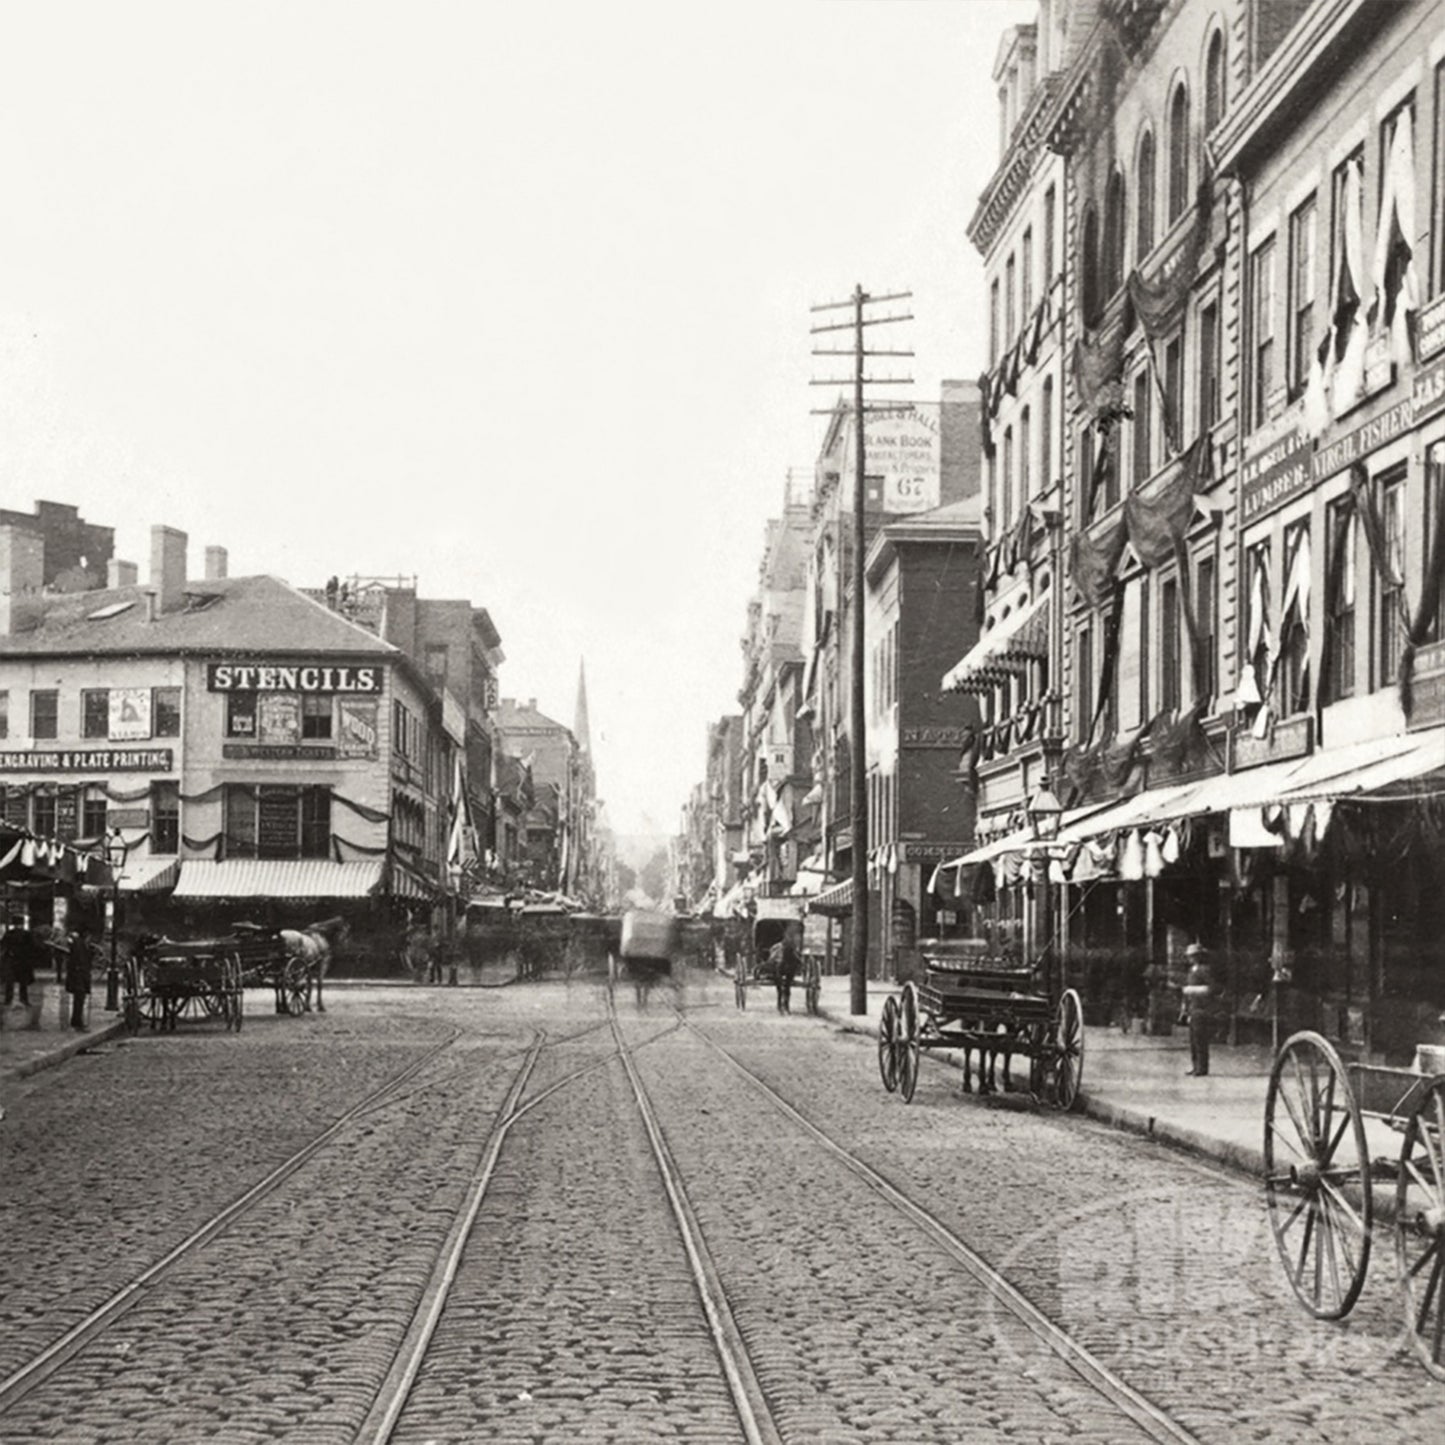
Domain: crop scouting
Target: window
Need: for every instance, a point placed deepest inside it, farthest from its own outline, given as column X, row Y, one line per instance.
column 1046, row 437
column 1300, row 302
column 1143, row 456
column 1206, row 610
column 315, row 822
column 1026, row 482
column 1214, row 83
column 1439, row 227
column 4, row 713
column 1144, row 214
column 1391, row 611
column 1026, row 275
column 166, row 704
column 1178, row 153
column 44, row 713
column 1339, row 664
column 1010, row 320
column 42, row 814
column 1169, row 678
column 1255, row 612
column 1086, row 476
column 1006, row 499
column 95, row 712
column 1208, row 366
column 316, row 712
column 1048, row 238
column 993, row 323
column 1342, row 306
column 1090, row 282
column 93, row 811
column 1294, row 655
column 281, row 822
column 240, row 714
column 1174, row 392
column 1108, row 461
column 1261, row 331
column 1114, row 224
column 1084, row 681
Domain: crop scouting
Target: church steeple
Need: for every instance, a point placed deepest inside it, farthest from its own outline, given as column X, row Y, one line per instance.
column 581, row 728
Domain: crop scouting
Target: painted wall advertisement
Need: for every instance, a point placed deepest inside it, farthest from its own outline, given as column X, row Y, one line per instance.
column 130, row 713
column 900, row 458
column 357, row 727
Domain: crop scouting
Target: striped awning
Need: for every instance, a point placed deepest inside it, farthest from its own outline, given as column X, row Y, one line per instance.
column 837, row 899
column 1018, row 641
column 148, row 875
column 277, row 878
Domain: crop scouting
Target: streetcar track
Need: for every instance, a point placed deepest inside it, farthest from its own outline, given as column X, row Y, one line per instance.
column 1155, row 1421
column 16, row 1386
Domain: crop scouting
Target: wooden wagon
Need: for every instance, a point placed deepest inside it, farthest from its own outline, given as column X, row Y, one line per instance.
column 975, row 998
column 1321, row 1168
column 167, row 980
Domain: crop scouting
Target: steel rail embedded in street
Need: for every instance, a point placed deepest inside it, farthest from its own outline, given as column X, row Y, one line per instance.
column 58, row 1353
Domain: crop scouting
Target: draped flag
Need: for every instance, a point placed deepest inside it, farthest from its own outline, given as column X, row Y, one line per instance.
column 1351, row 287
column 1397, row 297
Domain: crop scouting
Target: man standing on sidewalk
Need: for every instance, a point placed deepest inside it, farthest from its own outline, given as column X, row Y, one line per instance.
column 77, row 976
column 1198, row 991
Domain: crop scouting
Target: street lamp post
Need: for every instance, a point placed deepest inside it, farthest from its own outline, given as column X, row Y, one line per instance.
column 1045, row 813
column 116, row 849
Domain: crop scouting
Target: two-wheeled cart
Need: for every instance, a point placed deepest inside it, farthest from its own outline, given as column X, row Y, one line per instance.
column 1323, row 1121
column 770, row 922
column 167, row 980
column 973, row 998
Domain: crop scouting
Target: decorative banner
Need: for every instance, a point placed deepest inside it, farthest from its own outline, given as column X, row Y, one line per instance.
column 130, row 713
column 357, row 729
column 278, row 717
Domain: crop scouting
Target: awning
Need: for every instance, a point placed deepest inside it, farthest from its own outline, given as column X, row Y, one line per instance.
column 1019, row 640
column 809, row 881
column 836, row 900
column 149, row 875
column 277, row 878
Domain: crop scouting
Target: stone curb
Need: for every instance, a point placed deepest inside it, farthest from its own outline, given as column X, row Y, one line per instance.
column 67, row 1048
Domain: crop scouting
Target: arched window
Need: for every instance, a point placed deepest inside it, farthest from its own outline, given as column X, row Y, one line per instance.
column 1114, row 235
column 1178, row 152
column 1144, row 229
column 1089, row 282
column 1214, row 82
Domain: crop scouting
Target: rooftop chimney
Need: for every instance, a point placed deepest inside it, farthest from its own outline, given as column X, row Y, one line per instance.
column 168, row 566
column 121, row 574
column 22, row 572
column 215, row 563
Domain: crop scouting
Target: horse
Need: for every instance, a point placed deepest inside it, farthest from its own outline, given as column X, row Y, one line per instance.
column 987, row 1065
column 312, row 947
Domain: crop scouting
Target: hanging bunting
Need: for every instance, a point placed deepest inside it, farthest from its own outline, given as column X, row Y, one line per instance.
column 1397, row 299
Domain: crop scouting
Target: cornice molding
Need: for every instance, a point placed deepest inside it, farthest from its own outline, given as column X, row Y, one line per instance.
column 996, row 203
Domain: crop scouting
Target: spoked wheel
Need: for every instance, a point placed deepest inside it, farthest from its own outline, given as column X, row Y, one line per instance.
column 1068, row 1049
column 1420, row 1226
column 294, row 993
column 910, row 1023
column 1314, row 1150
column 888, row 1026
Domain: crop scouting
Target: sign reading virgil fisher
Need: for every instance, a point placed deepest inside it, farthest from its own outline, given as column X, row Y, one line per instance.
column 293, row 677
column 901, row 457
column 86, row 760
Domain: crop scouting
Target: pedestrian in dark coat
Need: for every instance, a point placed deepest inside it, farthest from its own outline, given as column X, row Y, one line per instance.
column 786, row 961
column 18, row 950
column 77, row 976
column 1198, row 993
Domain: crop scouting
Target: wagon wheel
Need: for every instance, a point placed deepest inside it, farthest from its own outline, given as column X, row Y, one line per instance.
column 910, row 1023
column 1314, row 1147
column 813, row 989
column 295, row 992
column 1420, row 1226
column 1068, row 1050
column 136, row 1004
column 888, row 1044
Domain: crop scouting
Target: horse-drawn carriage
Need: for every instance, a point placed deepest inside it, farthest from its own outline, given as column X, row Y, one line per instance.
column 757, row 964
column 973, row 998
column 648, row 943
column 168, row 979
column 1325, row 1126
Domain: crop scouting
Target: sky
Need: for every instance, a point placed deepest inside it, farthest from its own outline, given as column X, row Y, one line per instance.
column 510, row 298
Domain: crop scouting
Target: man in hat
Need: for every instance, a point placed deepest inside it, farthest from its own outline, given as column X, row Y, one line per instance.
column 1198, row 991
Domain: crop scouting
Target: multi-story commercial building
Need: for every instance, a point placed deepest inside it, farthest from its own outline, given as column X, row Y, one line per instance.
column 253, row 749
column 1239, row 679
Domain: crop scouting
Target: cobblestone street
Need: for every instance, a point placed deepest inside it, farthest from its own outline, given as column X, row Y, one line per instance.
column 574, row 1312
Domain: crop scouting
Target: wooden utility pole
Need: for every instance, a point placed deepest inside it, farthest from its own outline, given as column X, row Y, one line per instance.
column 857, row 750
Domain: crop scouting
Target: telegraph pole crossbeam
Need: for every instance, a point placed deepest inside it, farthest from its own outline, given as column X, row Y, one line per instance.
column 858, row 772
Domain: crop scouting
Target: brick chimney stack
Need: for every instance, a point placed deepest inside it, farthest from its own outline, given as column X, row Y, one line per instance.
column 216, row 563
column 168, row 567
column 22, row 573
column 121, row 574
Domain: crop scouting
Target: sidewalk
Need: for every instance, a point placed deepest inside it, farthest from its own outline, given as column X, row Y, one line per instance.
column 1139, row 1082
column 26, row 1051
